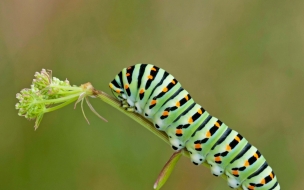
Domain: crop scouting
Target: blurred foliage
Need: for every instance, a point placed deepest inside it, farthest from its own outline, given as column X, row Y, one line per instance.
column 241, row 60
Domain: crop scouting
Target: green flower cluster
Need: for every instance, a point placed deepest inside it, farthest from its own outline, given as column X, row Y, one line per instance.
column 48, row 86
column 30, row 104
column 48, row 94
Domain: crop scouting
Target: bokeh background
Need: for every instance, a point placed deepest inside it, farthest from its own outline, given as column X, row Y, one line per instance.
column 242, row 60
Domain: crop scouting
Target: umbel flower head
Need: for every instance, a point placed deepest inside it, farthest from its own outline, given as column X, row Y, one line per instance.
column 30, row 105
column 49, row 86
column 48, row 94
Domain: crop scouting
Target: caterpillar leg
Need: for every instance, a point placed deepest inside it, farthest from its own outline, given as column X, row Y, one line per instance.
column 124, row 104
column 130, row 109
column 127, row 106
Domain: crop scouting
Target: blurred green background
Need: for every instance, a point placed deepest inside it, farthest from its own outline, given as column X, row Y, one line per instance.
column 242, row 60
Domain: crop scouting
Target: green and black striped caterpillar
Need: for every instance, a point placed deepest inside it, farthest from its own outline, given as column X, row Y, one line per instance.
column 158, row 96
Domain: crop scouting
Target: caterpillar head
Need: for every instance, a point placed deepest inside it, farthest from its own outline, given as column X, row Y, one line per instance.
column 117, row 92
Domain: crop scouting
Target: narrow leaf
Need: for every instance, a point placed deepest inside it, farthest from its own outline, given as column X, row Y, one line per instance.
column 83, row 112
column 167, row 170
column 80, row 98
column 93, row 110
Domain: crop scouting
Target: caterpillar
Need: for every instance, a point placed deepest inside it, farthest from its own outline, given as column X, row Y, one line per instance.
column 154, row 93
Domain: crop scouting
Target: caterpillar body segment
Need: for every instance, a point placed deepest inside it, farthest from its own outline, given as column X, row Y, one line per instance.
column 226, row 149
column 246, row 163
column 204, row 138
column 147, row 84
column 158, row 96
column 171, row 110
column 180, row 130
column 130, row 83
column 263, row 178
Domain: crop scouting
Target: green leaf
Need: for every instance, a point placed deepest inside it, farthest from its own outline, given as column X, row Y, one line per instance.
column 167, row 170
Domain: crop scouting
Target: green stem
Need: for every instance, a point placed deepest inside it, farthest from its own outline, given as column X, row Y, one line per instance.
column 69, row 92
column 138, row 118
column 143, row 121
column 74, row 88
column 58, row 100
column 60, row 105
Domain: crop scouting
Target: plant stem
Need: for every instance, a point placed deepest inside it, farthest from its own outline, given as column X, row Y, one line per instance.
column 143, row 121
column 73, row 88
column 69, row 92
column 59, row 100
column 60, row 105
column 138, row 118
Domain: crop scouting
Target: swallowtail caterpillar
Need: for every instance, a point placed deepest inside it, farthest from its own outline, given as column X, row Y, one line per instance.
column 159, row 97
